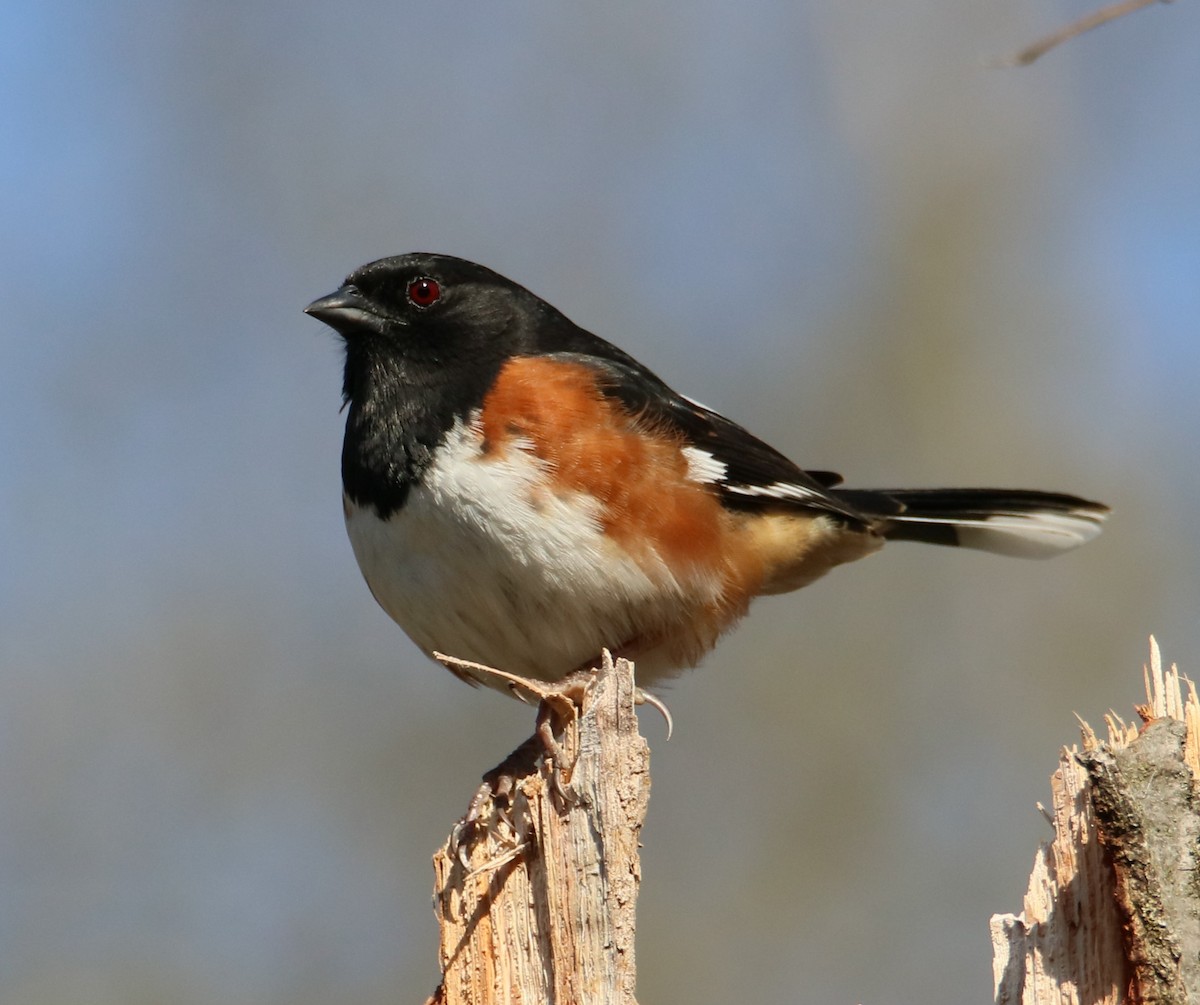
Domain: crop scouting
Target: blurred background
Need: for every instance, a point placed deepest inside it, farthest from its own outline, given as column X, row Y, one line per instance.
column 223, row 770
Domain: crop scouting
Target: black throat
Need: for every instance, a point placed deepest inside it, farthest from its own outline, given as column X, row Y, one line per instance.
column 400, row 412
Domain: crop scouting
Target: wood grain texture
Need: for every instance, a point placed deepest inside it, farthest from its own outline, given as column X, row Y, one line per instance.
column 536, row 902
column 1113, row 909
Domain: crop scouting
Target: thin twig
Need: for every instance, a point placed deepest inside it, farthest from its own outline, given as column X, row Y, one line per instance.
column 1087, row 23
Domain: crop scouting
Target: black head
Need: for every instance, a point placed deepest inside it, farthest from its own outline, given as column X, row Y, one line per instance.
column 431, row 311
column 434, row 323
column 425, row 337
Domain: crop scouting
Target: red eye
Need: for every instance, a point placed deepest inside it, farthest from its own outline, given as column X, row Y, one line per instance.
column 424, row 292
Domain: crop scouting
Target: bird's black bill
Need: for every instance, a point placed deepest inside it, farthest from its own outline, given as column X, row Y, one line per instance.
column 346, row 310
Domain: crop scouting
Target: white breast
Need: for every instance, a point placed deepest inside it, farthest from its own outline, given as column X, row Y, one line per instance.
column 484, row 562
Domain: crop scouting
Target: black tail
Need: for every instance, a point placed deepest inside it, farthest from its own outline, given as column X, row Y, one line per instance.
column 1018, row 522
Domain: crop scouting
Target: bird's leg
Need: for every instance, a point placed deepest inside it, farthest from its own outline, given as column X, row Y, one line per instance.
column 559, row 703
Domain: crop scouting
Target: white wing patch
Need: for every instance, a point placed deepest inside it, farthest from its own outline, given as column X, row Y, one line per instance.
column 778, row 490
column 703, row 467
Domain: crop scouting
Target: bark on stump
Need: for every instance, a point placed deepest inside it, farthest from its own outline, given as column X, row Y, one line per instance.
column 536, row 900
column 1113, row 909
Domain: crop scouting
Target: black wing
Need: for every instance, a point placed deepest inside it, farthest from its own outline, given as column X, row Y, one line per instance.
column 748, row 474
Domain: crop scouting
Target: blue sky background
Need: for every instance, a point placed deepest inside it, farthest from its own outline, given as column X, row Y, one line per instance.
column 223, row 770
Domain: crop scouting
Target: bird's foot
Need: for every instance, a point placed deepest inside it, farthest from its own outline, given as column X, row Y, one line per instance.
column 492, row 810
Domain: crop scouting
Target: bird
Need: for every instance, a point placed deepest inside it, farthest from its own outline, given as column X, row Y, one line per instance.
column 523, row 494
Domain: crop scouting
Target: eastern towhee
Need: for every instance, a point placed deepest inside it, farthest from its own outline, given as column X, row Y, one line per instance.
column 522, row 493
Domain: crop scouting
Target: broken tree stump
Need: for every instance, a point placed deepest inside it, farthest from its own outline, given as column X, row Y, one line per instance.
column 536, row 890
column 535, row 897
column 1112, row 914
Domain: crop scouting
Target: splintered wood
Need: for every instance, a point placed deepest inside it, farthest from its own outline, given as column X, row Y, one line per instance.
column 1112, row 913
column 535, row 899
